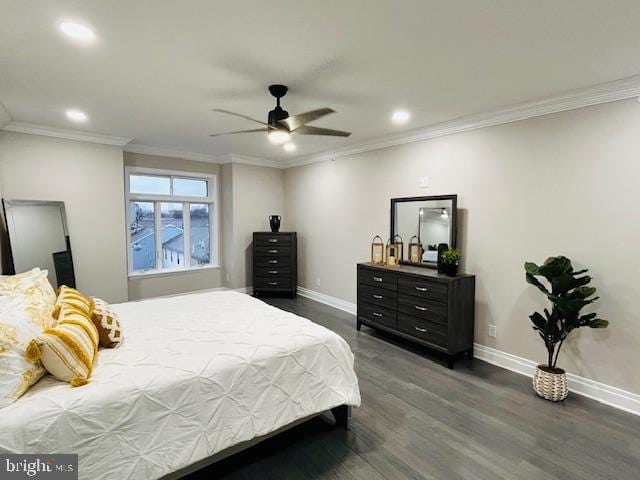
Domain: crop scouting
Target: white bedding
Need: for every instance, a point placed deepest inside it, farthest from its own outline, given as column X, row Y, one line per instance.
column 195, row 375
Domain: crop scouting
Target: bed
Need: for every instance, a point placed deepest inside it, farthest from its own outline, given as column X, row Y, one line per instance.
column 197, row 377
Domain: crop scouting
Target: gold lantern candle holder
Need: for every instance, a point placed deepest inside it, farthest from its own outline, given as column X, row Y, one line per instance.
column 415, row 250
column 397, row 239
column 377, row 250
column 392, row 258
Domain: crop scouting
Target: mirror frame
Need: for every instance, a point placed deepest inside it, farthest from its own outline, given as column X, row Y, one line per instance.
column 8, row 264
column 453, row 231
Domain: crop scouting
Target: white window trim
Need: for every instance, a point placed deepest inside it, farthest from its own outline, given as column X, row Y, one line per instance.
column 212, row 199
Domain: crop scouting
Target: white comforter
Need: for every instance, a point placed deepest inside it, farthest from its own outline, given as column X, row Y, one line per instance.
column 196, row 374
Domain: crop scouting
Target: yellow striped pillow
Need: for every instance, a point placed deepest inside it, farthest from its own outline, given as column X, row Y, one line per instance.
column 67, row 350
column 73, row 298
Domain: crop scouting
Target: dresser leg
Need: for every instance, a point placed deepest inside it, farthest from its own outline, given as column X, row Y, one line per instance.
column 450, row 361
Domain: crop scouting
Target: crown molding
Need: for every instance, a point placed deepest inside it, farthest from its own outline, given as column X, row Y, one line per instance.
column 4, row 116
column 602, row 93
column 79, row 135
column 167, row 152
column 202, row 157
column 256, row 161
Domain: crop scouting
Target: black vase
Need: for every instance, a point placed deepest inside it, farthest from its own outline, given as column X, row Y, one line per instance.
column 442, row 247
column 274, row 221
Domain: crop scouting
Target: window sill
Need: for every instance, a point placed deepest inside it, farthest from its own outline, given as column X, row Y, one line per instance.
column 170, row 272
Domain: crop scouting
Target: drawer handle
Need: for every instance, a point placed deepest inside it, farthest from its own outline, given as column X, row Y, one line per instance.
column 422, row 289
column 376, row 314
column 273, row 261
column 379, row 297
column 273, row 283
column 273, row 272
column 422, row 309
column 273, row 240
column 273, row 251
column 377, row 279
column 421, row 330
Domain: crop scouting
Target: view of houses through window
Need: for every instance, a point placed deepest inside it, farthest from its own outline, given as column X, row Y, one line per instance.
column 165, row 233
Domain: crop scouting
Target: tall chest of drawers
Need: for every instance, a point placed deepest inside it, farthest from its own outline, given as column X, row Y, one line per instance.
column 275, row 263
column 420, row 305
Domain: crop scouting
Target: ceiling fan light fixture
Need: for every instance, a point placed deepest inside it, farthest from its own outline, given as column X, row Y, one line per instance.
column 279, row 136
column 290, row 147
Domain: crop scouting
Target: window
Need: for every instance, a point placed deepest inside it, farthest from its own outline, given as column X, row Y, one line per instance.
column 171, row 220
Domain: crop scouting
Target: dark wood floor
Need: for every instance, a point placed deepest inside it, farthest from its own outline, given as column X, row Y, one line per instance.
column 420, row 420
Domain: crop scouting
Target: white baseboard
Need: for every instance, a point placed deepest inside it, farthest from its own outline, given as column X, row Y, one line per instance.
column 613, row 396
column 327, row 300
column 247, row 290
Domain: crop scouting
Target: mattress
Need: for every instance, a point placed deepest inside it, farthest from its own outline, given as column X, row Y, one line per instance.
column 196, row 374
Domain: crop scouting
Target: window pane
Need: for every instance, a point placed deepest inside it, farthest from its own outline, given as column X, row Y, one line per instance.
column 143, row 238
column 149, row 184
column 188, row 187
column 172, row 235
column 199, row 230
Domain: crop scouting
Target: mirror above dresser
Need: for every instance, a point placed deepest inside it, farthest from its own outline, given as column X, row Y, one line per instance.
column 424, row 224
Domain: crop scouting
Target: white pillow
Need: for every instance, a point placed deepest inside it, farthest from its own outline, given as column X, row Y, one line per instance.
column 40, row 296
column 17, row 328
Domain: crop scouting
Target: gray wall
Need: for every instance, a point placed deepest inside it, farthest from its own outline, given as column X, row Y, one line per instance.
column 88, row 178
column 558, row 184
column 255, row 193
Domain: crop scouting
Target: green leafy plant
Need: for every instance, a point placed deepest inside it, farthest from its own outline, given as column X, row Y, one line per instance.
column 568, row 292
column 451, row 256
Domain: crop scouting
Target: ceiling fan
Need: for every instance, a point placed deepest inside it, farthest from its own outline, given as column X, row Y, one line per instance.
column 280, row 125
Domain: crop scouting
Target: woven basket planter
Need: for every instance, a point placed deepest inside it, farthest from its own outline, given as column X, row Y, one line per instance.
column 550, row 386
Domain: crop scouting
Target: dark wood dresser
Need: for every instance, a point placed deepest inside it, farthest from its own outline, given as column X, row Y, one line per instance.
column 419, row 304
column 275, row 263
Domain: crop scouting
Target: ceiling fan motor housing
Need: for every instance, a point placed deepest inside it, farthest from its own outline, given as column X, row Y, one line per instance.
column 278, row 114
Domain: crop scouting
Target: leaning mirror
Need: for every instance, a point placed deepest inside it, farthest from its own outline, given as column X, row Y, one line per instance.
column 424, row 224
column 39, row 237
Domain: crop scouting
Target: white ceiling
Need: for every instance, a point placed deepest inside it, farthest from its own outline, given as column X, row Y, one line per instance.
column 159, row 67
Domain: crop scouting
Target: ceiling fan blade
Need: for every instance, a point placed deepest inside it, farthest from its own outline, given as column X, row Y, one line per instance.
column 296, row 121
column 228, row 112
column 309, row 130
column 240, row 131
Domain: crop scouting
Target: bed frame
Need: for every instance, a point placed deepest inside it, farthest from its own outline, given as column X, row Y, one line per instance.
column 341, row 414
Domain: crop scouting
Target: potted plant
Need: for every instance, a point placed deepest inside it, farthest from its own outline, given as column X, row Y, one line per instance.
column 451, row 261
column 568, row 292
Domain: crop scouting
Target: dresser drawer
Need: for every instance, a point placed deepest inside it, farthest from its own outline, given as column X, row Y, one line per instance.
column 423, row 308
column 273, row 251
column 423, row 288
column 270, row 262
column 273, row 272
column 271, row 240
column 377, row 296
column 378, row 278
column 423, row 329
column 376, row 314
column 272, row 283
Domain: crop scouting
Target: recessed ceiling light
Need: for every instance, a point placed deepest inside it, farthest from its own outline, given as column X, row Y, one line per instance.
column 290, row 147
column 400, row 117
column 76, row 116
column 77, row 31
column 279, row 136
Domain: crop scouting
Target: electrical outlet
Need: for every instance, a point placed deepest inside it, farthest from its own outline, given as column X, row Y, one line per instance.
column 228, row 277
column 492, row 331
column 423, row 182
column 317, row 281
